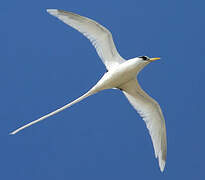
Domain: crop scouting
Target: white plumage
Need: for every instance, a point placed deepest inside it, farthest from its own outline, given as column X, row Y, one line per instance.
column 100, row 37
column 121, row 75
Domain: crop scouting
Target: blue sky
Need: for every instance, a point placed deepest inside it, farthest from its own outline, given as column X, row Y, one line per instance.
column 46, row 64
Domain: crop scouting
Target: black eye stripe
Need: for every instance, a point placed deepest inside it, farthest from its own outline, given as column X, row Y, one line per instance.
column 144, row 57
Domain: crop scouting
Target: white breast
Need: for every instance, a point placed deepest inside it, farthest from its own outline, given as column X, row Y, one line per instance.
column 120, row 74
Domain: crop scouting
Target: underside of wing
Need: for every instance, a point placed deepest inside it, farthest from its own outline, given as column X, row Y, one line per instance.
column 151, row 113
column 100, row 37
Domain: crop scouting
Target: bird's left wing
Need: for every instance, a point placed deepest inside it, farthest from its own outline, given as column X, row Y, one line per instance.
column 100, row 37
column 151, row 113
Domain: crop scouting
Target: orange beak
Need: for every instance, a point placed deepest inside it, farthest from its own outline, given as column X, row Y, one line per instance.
column 154, row 59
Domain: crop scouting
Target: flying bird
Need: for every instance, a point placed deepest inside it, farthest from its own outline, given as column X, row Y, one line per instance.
column 121, row 74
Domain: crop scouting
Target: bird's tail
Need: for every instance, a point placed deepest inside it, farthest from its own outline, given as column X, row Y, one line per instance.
column 89, row 93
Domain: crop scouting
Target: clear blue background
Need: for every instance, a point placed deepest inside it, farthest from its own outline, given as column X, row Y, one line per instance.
column 46, row 64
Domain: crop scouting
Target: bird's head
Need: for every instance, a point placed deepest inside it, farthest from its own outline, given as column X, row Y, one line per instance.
column 142, row 61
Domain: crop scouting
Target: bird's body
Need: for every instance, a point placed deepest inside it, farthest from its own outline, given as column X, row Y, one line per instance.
column 121, row 74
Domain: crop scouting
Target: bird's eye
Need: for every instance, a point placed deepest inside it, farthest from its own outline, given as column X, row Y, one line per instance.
column 144, row 58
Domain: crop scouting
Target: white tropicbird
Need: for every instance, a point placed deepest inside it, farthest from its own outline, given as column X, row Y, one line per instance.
column 121, row 75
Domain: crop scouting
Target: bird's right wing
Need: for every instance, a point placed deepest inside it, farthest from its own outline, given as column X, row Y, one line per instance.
column 151, row 113
column 100, row 37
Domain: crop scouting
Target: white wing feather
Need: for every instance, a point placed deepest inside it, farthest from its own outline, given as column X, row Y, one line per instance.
column 151, row 113
column 100, row 37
